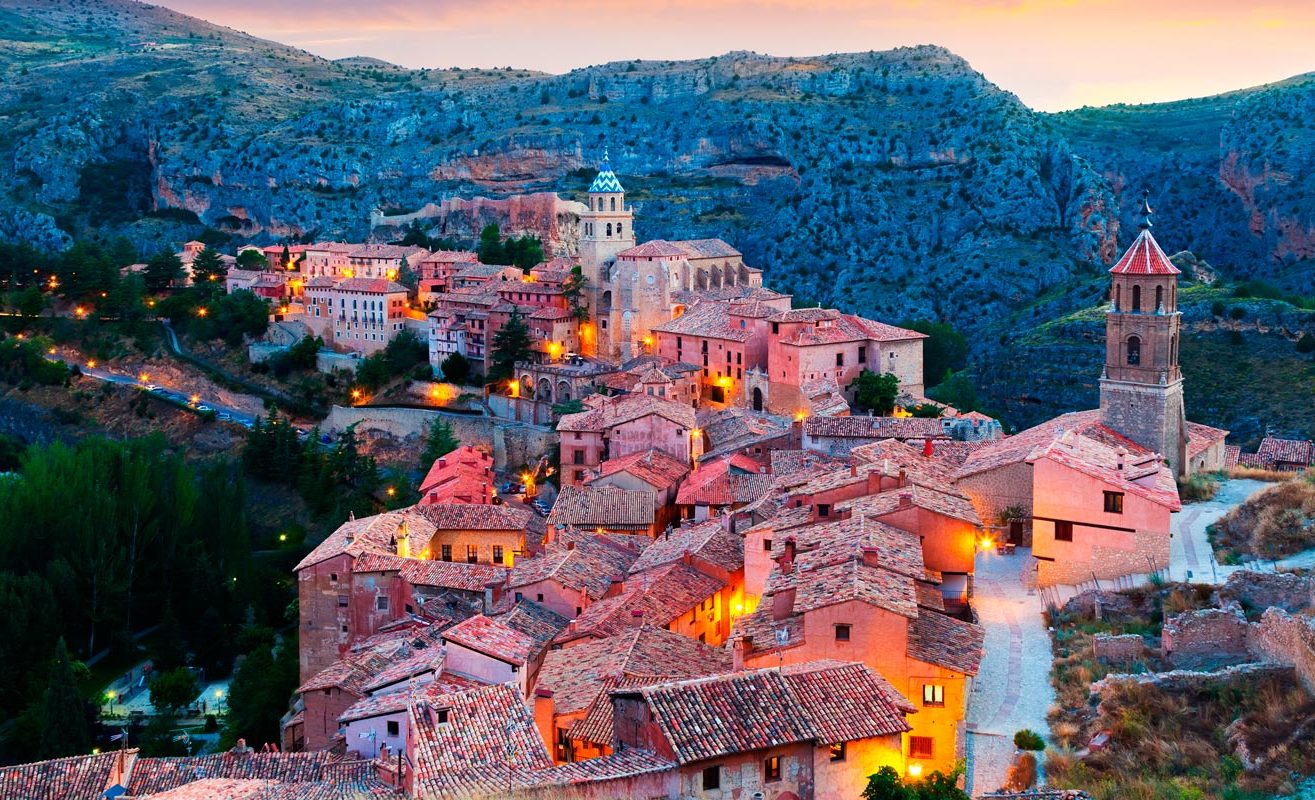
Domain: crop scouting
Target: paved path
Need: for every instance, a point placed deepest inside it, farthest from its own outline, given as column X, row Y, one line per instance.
column 1190, row 555
column 1012, row 689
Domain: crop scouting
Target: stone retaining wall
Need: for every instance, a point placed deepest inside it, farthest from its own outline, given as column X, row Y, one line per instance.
column 513, row 443
column 1260, row 590
column 1121, row 649
column 1208, row 637
column 1284, row 638
column 1182, row 679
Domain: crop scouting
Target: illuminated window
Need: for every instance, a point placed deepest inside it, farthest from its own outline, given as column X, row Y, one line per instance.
column 838, row 751
column 772, row 769
column 920, row 747
column 447, row 552
column 497, row 554
column 472, row 554
column 933, row 694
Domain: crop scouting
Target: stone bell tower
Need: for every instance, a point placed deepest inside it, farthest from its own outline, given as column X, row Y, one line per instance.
column 1141, row 388
column 606, row 228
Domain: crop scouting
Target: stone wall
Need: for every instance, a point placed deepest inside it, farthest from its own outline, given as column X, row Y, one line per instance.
column 513, row 443
column 1121, row 649
column 1260, row 590
column 1184, row 679
column 1283, row 638
column 1208, row 637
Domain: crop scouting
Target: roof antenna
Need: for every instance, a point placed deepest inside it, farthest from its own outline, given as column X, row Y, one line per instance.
column 1146, row 209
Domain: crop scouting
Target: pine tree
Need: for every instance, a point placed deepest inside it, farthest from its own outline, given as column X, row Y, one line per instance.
column 408, row 277
column 456, row 369
column 573, row 290
column 208, row 270
column 510, row 344
column 490, row 248
column 439, row 442
column 64, row 730
column 162, row 269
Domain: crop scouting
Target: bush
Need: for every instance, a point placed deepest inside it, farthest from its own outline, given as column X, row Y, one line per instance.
column 1028, row 739
column 1197, row 488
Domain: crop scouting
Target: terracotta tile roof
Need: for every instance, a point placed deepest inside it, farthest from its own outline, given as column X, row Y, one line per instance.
column 452, row 575
column 449, row 257
column 421, row 660
column 789, row 462
column 73, row 778
column 1143, row 475
column 1144, row 257
column 947, row 502
column 369, row 535
column 707, row 718
column 613, row 411
column 708, row 319
column 488, row 743
column 1200, row 437
column 707, row 248
column 828, row 576
column 657, row 248
column 657, row 596
column 357, row 670
column 875, row 427
column 467, row 517
column 603, row 506
column 394, row 702
column 153, row 775
column 954, row 454
column 493, row 638
column 389, row 251
column 897, row 551
column 830, row 326
column 551, row 313
column 597, row 723
column 370, row 286
column 894, row 455
column 627, row 763
column 653, row 467
column 707, row 541
column 540, row 623
column 713, row 484
column 461, row 469
column 946, row 642
column 929, row 596
column 1292, row 451
column 1231, row 454
column 577, row 675
column 1016, row 449
column 825, row 398
column 586, row 562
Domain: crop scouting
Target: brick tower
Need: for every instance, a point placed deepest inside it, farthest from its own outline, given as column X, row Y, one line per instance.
column 606, row 228
column 1141, row 388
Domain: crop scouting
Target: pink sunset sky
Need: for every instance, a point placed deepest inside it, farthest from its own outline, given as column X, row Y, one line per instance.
column 1053, row 54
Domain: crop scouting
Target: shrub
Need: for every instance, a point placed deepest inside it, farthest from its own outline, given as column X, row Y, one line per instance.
column 1028, row 739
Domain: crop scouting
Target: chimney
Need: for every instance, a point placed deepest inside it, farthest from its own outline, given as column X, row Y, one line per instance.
column 737, row 654
column 616, row 587
column 928, row 449
column 905, row 499
column 871, row 557
column 903, row 477
column 783, row 604
column 686, row 557
column 636, row 617
column 853, row 470
column 570, row 545
column 491, row 596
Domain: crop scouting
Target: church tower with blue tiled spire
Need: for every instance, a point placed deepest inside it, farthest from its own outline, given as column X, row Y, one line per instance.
column 606, row 228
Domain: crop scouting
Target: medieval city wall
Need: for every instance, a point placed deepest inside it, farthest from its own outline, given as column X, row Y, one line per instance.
column 513, row 443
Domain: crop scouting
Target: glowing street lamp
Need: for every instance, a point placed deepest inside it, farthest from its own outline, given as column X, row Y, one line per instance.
column 392, row 492
column 194, row 399
column 915, row 770
column 202, row 311
column 91, row 362
column 144, row 377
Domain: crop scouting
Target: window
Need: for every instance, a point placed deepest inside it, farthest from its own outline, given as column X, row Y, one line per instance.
column 838, row 751
column 1136, row 298
column 711, row 778
column 342, row 601
column 333, row 576
column 1114, row 502
column 840, row 359
column 447, row 552
column 1134, row 350
column 394, row 727
column 842, row 633
column 1063, row 531
column 579, row 474
column 472, row 554
column 519, row 597
column 442, row 716
column 381, row 603
column 824, row 509
column 767, row 545
column 577, row 457
column 920, row 747
column 933, row 694
column 497, row 554
column 539, row 597
column 776, row 327
column 772, row 769
column 1159, row 297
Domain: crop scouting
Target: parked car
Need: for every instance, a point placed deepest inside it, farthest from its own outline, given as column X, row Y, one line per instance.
column 203, row 408
column 225, row 416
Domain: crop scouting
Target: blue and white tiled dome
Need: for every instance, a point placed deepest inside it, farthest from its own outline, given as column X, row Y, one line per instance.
column 606, row 181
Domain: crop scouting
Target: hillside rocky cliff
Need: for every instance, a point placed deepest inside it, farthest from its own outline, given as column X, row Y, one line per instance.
column 898, row 184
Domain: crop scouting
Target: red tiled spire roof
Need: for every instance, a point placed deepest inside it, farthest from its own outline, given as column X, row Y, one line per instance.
column 1144, row 258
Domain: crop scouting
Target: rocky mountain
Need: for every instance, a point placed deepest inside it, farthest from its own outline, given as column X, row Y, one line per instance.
column 898, row 184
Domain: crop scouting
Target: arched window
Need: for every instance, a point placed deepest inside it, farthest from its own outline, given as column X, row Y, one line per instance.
column 1173, row 350
column 1118, row 298
column 1159, row 297
column 613, row 204
column 1136, row 298
column 1134, row 350
column 609, row 229
column 618, row 229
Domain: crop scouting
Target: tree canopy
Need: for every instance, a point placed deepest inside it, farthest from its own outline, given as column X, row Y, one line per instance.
column 875, row 393
column 523, row 251
column 945, row 350
column 162, row 269
column 510, row 344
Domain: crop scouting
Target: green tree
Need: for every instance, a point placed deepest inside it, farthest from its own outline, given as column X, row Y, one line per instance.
column 259, row 693
column 438, row 442
column 404, row 352
column 125, row 298
column 1306, row 344
column 944, row 350
column 173, row 690
column 456, row 369
column 510, row 344
column 208, row 270
column 957, row 390
column 886, row 784
column 64, row 729
column 285, row 259
column 489, row 248
column 251, row 260
column 408, row 277
column 875, row 393
column 162, row 269
column 573, row 289
column 122, row 252
column 31, row 302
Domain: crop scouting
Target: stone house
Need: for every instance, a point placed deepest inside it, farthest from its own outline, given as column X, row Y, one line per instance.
column 649, row 470
column 620, row 426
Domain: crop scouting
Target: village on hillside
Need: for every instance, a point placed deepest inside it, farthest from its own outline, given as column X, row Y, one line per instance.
column 695, row 541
